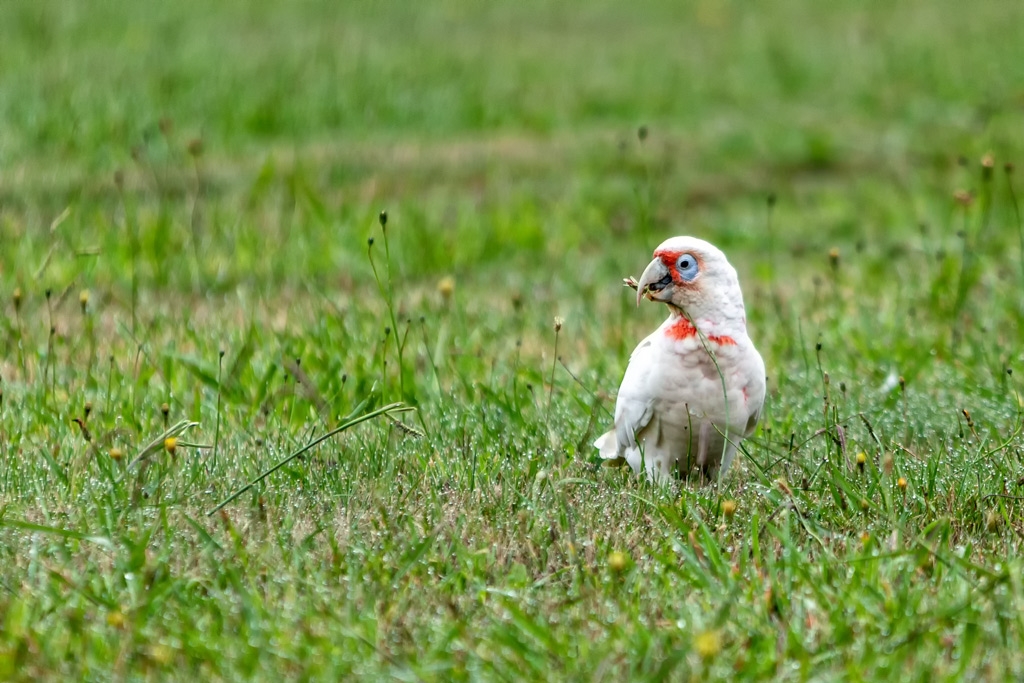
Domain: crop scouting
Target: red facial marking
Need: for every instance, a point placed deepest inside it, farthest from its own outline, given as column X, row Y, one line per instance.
column 669, row 257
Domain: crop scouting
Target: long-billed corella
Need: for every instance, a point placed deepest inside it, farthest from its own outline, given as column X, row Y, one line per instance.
column 694, row 388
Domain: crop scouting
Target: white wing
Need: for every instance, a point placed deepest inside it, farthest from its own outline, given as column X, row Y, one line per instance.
column 634, row 406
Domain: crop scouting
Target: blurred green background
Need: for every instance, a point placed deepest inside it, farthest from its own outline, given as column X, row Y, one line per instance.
column 472, row 118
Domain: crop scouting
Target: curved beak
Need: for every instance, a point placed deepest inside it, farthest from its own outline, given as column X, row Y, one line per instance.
column 656, row 278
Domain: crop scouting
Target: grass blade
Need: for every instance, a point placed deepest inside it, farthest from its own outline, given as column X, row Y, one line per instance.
column 390, row 408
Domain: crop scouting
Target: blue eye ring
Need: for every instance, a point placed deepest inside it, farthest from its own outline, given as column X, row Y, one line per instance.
column 686, row 266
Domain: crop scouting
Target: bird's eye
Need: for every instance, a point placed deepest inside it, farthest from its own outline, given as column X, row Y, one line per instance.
column 687, row 267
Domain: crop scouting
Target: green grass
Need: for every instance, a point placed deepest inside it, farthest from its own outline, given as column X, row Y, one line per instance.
column 207, row 177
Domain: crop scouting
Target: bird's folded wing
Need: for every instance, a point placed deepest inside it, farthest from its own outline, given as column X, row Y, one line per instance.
column 634, row 406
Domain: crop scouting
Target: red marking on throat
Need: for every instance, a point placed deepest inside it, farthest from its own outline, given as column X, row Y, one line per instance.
column 682, row 329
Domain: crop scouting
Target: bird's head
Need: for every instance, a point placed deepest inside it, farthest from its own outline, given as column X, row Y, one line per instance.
column 693, row 276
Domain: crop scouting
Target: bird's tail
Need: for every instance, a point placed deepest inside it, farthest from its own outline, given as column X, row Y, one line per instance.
column 608, row 445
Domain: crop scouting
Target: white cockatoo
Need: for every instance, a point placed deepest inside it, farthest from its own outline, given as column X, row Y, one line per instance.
column 694, row 388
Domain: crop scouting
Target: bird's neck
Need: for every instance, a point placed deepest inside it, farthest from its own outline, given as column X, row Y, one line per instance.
column 724, row 331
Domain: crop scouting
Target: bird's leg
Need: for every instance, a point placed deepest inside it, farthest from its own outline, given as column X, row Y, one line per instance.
column 710, row 474
column 703, row 438
column 659, row 470
column 730, row 453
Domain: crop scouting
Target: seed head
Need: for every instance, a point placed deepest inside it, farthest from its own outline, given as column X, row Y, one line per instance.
column 16, row 297
column 161, row 654
column 116, row 454
column 559, row 321
column 902, row 483
column 833, row 257
column 83, row 299
column 171, row 444
column 729, row 508
column 708, row 644
column 992, row 521
column 383, row 218
column 963, row 197
column 988, row 164
column 446, row 286
column 618, row 561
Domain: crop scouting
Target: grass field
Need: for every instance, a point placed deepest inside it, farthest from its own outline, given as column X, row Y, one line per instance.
column 187, row 197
